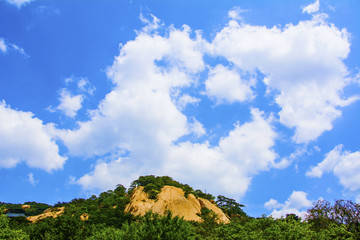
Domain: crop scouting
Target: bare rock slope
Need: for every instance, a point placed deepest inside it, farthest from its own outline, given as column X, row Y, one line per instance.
column 51, row 212
column 172, row 199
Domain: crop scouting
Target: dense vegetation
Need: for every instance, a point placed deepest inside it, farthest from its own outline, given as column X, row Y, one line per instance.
column 152, row 186
column 33, row 209
column 107, row 220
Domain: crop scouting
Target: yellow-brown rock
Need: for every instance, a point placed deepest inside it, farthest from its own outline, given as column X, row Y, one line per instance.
column 50, row 212
column 25, row 206
column 172, row 199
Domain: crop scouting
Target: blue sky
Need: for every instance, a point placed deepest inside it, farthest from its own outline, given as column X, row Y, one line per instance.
column 254, row 100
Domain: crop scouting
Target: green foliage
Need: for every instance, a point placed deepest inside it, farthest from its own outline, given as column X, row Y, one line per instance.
column 106, row 219
column 152, row 186
column 8, row 233
column 35, row 208
column 198, row 193
column 344, row 214
column 150, row 227
column 230, row 207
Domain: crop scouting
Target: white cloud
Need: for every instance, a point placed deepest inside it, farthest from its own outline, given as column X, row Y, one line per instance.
column 303, row 63
column 235, row 13
column 295, row 204
column 69, row 104
column 3, row 47
column 19, row 50
column 226, row 85
column 139, row 112
column 242, row 154
column 19, row 3
column 84, row 86
column 141, row 117
column 196, row 127
column 6, row 46
column 150, row 25
column 312, row 8
column 186, row 99
column 343, row 164
column 245, row 152
column 25, row 138
column 108, row 175
column 32, row 180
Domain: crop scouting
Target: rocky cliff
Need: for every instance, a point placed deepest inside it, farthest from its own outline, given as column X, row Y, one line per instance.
column 172, row 199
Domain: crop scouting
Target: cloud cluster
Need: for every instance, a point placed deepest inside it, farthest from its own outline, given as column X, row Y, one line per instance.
column 140, row 127
column 69, row 104
column 302, row 64
column 295, row 204
column 226, row 85
column 141, row 119
column 24, row 138
column 343, row 164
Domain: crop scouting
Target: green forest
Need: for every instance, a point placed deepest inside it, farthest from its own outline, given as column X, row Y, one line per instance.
column 106, row 219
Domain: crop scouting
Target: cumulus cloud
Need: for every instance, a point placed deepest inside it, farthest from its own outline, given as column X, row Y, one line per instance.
column 106, row 175
column 239, row 156
column 19, row 3
column 24, row 138
column 343, row 164
column 226, row 85
column 303, row 64
column 312, row 8
column 69, row 104
column 295, row 204
column 245, row 152
column 140, row 109
column 141, row 119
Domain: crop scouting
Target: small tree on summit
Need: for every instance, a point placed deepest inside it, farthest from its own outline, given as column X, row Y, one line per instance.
column 230, row 207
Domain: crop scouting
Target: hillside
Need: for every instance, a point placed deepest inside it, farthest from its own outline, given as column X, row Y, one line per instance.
column 162, row 208
column 172, row 199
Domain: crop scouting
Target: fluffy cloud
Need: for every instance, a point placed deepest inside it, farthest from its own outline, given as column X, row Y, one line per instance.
column 243, row 153
column 19, row 3
column 140, row 110
column 226, row 85
column 303, row 64
column 312, row 8
column 295, row 204
column 141, row 119
column 69, row 104
column 25, row 138
column 343, row 164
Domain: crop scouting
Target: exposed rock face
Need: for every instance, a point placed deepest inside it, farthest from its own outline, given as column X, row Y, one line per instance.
column 172, row 199
column 51, row 212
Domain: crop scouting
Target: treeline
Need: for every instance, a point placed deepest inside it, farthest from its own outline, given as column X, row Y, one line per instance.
column 28, row 208
column 103, row 217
